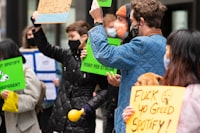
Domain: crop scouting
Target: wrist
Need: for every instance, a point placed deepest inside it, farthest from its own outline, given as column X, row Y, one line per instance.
column 98, row 23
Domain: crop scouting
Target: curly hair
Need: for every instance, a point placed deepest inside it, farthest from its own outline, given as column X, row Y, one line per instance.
column 151, row 10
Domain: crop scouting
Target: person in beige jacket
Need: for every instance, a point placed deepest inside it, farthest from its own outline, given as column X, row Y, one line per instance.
column 25, row 119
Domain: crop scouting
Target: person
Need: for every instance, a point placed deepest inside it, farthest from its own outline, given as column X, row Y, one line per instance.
column 182, row 70
column 76, row 87
column 123, row 20
column 144, row 53
column 28, row 44
column 25, row 120
column 121, row 26
column 108, row 21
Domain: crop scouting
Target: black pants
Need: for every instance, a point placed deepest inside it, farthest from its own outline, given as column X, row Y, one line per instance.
column 43, row 118
column 2, row 126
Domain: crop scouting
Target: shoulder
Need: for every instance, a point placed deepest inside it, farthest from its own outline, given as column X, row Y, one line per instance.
column 193, row 90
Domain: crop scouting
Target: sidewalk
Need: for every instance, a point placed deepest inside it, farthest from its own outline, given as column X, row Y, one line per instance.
column 99, row 126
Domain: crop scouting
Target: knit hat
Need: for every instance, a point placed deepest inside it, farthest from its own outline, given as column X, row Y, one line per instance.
column 124, row 11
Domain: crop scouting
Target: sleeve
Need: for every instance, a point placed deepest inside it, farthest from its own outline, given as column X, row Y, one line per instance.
column 101, row 96
column 47, row 49
column 124, row 56
column 30, row 96
column 189, row 121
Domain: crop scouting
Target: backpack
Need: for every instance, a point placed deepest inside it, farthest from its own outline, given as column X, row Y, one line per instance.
column 38, row 106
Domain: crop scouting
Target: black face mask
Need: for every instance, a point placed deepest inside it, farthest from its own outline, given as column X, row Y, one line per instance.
column 74, row 44
column 31, row 42
column 134, row 30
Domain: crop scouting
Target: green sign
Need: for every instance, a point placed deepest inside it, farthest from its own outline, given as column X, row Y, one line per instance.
column 91, row 65
column 12, row 74
column 105, row 3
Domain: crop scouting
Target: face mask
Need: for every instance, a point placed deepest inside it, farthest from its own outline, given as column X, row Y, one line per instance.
column 111, row 32
column 74, row 44
column 134, row 30
column 31, row 42
column 166, row 62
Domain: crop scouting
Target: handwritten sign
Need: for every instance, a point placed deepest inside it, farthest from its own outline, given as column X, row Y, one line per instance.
column 12, row 74
column 157, row 109
column 53, row 11
column 91, row 65
column 105, row 3
column 45, row 69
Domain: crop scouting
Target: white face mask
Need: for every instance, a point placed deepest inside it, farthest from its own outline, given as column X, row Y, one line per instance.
column 111, row 32
column 166, row 62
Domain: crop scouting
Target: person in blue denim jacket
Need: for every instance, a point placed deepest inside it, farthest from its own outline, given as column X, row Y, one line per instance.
column 144, row 53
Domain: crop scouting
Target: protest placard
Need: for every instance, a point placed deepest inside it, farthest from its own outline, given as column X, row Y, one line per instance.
column 53, row 11
column 45, row 69
column 12, row 74
column 91, row 65
column 105, row 3
column 157, row 109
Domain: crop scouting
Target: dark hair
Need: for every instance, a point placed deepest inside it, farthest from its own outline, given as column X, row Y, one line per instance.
column 82, row 27
column 151, row 10
column 184, row 66
column 9, row 49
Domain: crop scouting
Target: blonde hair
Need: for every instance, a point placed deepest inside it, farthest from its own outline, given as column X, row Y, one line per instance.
column 24, row 36
column 109, row 18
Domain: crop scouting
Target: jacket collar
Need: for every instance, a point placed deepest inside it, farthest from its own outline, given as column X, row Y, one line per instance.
column 153, row 31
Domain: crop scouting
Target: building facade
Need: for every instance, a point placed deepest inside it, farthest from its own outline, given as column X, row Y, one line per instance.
column 15, row 16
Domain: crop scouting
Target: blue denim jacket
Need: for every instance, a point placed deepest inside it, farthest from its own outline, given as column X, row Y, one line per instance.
column 142, row 54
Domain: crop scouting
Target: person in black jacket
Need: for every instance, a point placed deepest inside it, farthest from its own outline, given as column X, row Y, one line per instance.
column 76, row 87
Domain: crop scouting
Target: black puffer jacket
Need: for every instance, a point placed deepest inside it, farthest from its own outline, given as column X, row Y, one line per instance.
column 76, row 90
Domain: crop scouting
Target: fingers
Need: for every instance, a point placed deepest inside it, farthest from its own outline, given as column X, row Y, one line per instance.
column 35, row 14
column 113, row 79
column 96, row 12
column 4, row 94
column 56, row 82
column 83, row 54
column 127, row 113
column 118, row 76
column 94, row 4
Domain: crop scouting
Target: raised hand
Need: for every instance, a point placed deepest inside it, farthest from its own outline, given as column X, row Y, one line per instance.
column 96, row 12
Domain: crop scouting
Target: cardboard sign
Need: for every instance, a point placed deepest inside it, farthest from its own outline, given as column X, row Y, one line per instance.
column 53, row 11
column 157, row 109
column 91, row 65
column 105, row 3
column 12, row 74
column 45, row 69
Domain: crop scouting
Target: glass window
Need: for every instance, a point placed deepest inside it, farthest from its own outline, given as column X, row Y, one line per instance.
column 2, row 19
column 179, row 20
column 121, row 2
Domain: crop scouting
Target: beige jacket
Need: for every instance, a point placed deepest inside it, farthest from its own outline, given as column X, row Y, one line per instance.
column 25, row 121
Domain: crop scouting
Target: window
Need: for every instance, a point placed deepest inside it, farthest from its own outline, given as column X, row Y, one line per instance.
column 2, row 19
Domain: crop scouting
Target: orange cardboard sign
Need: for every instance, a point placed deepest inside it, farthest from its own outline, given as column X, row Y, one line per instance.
column 157, row 109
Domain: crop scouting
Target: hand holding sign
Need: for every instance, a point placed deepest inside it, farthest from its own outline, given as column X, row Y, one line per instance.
column 127, row 113
column 113, row 79
column 96, row 12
